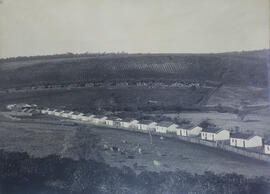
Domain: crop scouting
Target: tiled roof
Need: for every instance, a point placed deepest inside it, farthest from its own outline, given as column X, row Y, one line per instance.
column 99, row 116
column 212, row 130
column 186, row 126
column 165, row 123
column 146, row 122
column 113, row 118
column 242, row 135
column 128, row 119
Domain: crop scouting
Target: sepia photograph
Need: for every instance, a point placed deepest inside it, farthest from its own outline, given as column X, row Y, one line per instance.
column 134, row 97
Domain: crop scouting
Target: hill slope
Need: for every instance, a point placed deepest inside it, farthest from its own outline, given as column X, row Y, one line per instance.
column 244, row 68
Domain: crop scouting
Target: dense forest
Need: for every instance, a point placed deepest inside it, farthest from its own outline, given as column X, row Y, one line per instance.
column 21, row 174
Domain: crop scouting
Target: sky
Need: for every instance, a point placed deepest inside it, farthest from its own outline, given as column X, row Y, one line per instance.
column 40, row 27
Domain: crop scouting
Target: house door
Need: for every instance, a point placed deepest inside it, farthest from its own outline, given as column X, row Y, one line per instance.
column 244, row 144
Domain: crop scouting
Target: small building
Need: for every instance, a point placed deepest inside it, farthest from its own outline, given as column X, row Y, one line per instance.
column 99, row 119
column 146, row 125
column 57, row 112
column 50, row 112
column 245, row 140
column 267, row 146
column 111, row 120
column 215, row 134
column 128, row 122
column 189, row 131
column 88, row 117
column 166, row 126
column 65, row 114
column 76, row 115
column 45, row 111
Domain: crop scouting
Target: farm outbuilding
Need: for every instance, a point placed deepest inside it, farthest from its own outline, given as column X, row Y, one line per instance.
column 45, row 111
column 166, row 126
column 245, row 140
column 65, row 114
column 111, row 120
column 189, row 131
column 215, row 134
column 76, row 115
column 87, row 117
column 129, row 122
column 146, row 125
column 99, row 119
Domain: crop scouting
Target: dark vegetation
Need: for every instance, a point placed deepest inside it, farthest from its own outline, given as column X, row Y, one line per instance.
column 244, row 68
column 21, row 174
column 101, row 99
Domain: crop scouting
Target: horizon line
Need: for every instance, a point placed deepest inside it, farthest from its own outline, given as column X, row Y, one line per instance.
column 132, row 53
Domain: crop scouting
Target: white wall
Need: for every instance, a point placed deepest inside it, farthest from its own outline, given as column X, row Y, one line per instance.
column 222, row 135
column 267, row 149
column 255, row 141
column 160, row 129
column 237, row 142
column 109, row 122
column 195, row 131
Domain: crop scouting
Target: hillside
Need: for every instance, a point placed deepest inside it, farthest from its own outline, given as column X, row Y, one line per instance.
column 236, row 68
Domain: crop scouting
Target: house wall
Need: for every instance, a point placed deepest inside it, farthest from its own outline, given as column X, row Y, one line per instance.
column 161, row 129
column 43, row 111
column 184, row 132
column 255, row 141
column 172, row 128
column 267, row 149
column 178, row 132
column 237, row 142
column 195, row 131
column 222, row 135
column 109, row 122
column 124, row 124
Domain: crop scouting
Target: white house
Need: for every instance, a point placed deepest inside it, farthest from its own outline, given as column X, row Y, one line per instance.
column 99, row 119
column 245, row 140
column 165, row 126
column 267, row 146
column 65, row 114
column 146, row 125
column 129, row 123
column 189, row 131
column 50, row 112
column 76, row 115
column 215, row 134
column 57, row 112
column 111, row 120
column 45, row 111
column 87, row 117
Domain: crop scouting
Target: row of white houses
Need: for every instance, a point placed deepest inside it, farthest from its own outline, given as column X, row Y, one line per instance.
column 240, row 140
column 211, row 134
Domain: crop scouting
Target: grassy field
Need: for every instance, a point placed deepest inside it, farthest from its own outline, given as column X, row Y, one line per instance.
column 239, row 96
column 258, row 123
column 42, row 136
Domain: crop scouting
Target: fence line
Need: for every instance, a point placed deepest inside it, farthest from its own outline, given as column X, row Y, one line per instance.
column 195, row 140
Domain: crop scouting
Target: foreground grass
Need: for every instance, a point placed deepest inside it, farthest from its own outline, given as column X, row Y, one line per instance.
column 20, row 173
